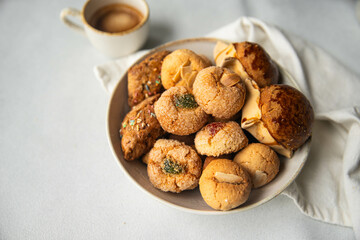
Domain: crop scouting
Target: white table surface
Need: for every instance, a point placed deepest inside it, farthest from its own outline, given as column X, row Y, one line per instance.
column 58, row 178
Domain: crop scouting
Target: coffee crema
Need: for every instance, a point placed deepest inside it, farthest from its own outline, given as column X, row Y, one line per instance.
column 115, row 18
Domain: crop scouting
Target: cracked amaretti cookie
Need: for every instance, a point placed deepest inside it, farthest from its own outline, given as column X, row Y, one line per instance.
column 144, row 79
column 219, row 91
column 220, row 138
column 179, row 113
column 140, row 129
column 173, row 166
column 224, row 184
column 260, row 161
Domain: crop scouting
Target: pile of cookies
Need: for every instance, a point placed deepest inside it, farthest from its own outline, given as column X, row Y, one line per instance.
column 188, row 119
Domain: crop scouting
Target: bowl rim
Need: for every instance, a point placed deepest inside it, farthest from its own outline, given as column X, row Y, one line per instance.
column 185, row 209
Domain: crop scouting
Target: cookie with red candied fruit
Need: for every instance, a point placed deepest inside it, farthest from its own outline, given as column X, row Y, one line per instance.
column 220, row 138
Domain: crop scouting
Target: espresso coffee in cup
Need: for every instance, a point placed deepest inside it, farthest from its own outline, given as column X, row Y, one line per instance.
column 116, row 18
column 115, row 27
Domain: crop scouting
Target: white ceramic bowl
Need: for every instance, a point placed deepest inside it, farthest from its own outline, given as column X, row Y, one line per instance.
column 191, row 201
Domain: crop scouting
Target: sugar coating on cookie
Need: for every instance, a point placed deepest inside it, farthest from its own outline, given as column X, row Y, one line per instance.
column 260, row 161
column 219, row 91
column 173, row 166
column 181, row 67
column 178, row 112
column 219, row 138
column 140, row 129
column 224, row 184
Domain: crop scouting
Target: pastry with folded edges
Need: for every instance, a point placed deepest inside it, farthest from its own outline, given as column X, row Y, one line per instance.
column 248, row 60
column 279, row 116
column 181, row 67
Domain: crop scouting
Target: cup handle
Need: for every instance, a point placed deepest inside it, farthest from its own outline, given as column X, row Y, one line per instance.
column 74, row 13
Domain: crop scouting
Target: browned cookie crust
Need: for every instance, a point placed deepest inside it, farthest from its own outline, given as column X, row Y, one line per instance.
column 224, row 184
column 219, row 91
column 220, row 138
column 287, row 114
column 144, row 79
column 257, row 63
column 260, row 161
column 178, row 112
column 140, row 129
column 173, row 166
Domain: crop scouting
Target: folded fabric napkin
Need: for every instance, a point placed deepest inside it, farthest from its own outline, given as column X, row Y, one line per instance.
column 328, row 187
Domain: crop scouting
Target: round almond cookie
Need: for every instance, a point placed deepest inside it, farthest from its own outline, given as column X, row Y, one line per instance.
column 260, row 161
column 181, row 67
column 220, row 138
column 224, row 185
column 178, row 112
column 173, row 166
column 219, row 91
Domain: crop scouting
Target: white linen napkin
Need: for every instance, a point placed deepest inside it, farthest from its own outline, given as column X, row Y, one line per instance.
column 328, row 187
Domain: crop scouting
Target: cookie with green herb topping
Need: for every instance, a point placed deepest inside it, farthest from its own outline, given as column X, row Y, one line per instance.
column 173, row 166
column 144, row 79
column 179, row 113
column 140, row 129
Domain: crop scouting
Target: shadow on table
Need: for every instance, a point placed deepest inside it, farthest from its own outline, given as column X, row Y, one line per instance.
column 159, row 33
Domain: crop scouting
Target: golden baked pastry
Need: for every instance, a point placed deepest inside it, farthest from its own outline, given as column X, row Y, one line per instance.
column 248, row 60
column 287, row 114
column 220, row 138
column 173, row 166
column 278, row 115
column 140, row 129
column 179, row 113
column 224, row 184
column 219, row 91
column 144, row 79
column 181, row 67
column 260, row 161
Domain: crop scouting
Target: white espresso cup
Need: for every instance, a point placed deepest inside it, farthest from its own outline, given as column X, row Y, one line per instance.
column 112, row 44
